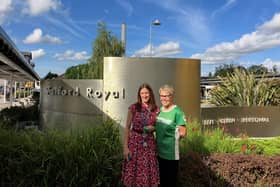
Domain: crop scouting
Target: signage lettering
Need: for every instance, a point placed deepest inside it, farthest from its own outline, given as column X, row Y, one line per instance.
column 59, row 91
column 91, row 93
column 254, row 120
column 242, row 120
column 226, row 120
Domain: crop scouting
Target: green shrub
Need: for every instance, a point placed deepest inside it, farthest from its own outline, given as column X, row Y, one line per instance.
column 90, row 157
column 218, row 141
column 243, row 89
column 10, row 116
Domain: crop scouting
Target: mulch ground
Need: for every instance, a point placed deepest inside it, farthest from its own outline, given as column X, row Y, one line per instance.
column 229, row 170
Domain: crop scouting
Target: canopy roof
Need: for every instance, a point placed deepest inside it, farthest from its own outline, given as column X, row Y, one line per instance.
column 13, row 64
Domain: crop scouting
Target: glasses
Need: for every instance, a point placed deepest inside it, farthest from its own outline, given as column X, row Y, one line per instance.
column 165, row 96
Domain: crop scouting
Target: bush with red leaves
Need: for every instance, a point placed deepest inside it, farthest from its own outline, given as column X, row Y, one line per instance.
column 229, row 170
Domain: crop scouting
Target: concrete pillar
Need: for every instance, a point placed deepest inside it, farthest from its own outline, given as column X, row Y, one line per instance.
column 5, row 91
column 15, row 93
column 205, row 93
column 11, row 90
column 123, row 38
column 24, row 90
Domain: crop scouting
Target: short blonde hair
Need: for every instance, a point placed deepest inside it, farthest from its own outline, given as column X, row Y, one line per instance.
column 167, row 88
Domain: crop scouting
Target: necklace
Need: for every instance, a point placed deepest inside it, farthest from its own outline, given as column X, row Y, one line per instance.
column 145, row 119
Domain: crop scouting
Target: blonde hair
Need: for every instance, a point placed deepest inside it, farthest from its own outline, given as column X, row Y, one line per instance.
column 167, row 88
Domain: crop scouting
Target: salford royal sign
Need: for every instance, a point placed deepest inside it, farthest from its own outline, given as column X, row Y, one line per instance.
column 90, row 93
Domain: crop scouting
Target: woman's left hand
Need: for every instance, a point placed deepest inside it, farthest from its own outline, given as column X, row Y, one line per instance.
column 182, row 131
column 149, row 128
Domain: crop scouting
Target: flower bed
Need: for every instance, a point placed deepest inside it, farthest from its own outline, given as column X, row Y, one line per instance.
column 229, row 170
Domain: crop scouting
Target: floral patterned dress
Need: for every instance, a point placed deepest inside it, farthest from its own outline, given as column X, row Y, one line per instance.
column 142, row 169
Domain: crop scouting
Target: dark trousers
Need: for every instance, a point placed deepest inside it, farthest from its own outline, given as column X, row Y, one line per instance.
column 168, row 170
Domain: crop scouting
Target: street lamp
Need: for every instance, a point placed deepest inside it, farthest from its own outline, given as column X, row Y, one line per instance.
column 156, row 23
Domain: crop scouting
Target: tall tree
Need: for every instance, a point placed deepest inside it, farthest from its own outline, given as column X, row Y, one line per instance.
column 77, row 72
column 257, row 69
column 225, row 69
column 104, row 45
column 50, row 75
column 274, row 69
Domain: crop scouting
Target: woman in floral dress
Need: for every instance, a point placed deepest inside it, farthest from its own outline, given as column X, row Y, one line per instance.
column 140, row 167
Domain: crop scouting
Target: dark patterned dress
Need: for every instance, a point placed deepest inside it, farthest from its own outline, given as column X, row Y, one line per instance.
column 142, row 169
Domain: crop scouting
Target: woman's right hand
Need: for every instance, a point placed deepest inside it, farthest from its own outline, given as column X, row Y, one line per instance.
column 126, row 152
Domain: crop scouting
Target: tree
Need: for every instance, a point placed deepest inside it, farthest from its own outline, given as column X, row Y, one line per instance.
column 257, row 69
column 225, row 69
column 50, row 75
column 274, row 69
column 104, row 45
column 243, row 89
column 77, row 72
column 70, row 73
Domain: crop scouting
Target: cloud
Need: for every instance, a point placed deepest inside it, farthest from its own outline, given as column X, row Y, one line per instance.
column 165, row 49
column 72, row 56
column 258, row 40
column 5, row 8
column 225, row 7
column 195, row 24
column 19, row 10
column 5, row 5
column 37, row 7
column 69, row 25
column 125, row 4
column 37, row 53
column 271, row 26
column 37, row 37
column 269, row 64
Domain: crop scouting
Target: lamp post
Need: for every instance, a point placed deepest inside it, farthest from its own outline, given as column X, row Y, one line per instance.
column 156, row 23
column 78, row 72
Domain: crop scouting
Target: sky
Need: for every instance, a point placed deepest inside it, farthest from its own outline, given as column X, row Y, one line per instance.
column 60, row 33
